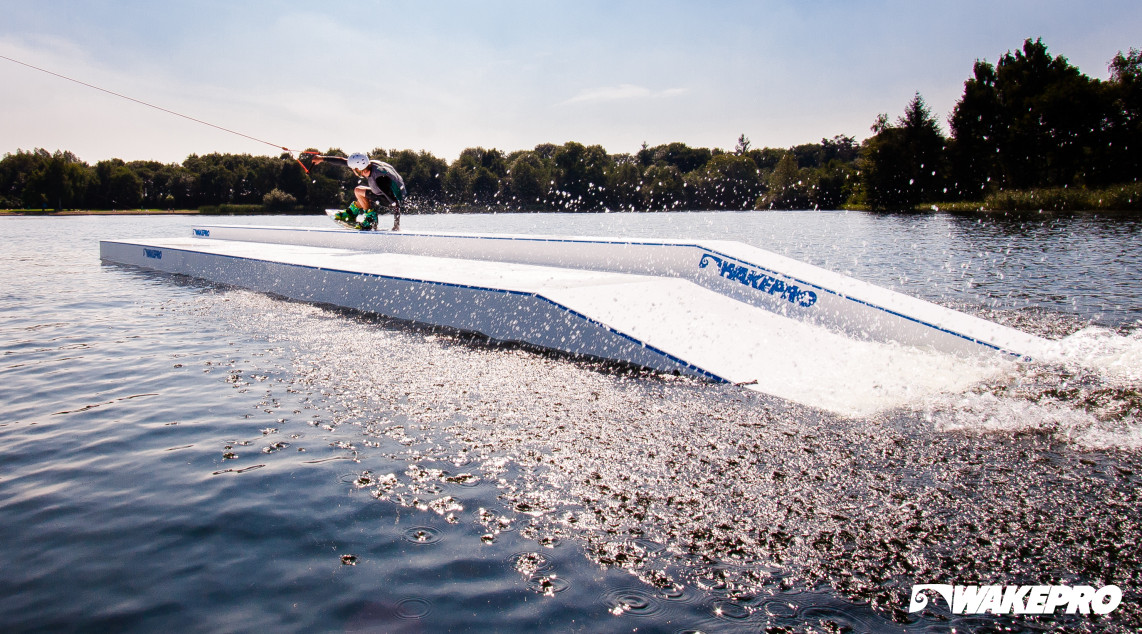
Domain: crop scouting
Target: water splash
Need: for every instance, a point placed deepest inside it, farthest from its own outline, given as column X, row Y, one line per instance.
column 713, row 492
column 1085, row 391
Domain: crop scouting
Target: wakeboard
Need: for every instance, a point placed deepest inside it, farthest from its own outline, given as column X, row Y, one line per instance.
column 345, row 218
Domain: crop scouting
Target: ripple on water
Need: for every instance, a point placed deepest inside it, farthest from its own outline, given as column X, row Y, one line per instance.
column 529, row 563
column 635, row 601
column 780, row 608
column 422, row 535
column 731, row 610
column 675, row 592
column 548, row 585
column 837, row 619
column 413, row 608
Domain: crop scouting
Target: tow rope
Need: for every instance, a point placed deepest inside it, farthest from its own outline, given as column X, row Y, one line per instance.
column 169, row 111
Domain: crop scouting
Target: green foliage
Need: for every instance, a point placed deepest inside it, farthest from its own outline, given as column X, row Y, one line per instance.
column 231, row 210
column 662, row 188
column 743, row 145
column 1118, row 198
column 474, row 178
column 840, row 148
column 624, row 184
column 527, row 178
column 727, row 181
column 1125, row 126
column 766, row 159
column 788, row 186
column 975, row 126
column 834, row 184
column 1053, row 118
column 278, row 200
column 580, row 177
column 125, row 188
column 904, row 164
column 1033, row 121
column 15, row 170
column 456, row 186
column 679, row 155
column 59, row 181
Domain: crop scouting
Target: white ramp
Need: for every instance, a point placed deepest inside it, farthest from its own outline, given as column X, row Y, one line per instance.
column 664, row 323
column 761, row 278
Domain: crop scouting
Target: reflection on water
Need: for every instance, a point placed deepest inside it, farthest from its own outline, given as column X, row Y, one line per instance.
column 297, row 467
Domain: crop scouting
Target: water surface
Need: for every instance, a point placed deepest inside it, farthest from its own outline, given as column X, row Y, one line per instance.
column 178, row 454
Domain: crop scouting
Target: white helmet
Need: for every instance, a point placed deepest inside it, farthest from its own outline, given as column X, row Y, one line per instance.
column 358, row 161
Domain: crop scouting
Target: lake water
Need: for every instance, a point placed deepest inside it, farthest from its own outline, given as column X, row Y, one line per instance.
column 186, row 456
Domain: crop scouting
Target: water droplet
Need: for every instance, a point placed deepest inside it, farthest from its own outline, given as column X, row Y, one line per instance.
column 463, row 479
column 731, row 610
column 528, row 564
column 634, row 601
column 548, row 585
column 423, row 535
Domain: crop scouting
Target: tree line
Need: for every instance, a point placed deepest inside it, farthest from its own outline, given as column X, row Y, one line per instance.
column 570, row 177
column 1029, row 122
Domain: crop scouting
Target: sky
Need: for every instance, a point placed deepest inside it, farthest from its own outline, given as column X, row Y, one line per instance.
column 445, row 75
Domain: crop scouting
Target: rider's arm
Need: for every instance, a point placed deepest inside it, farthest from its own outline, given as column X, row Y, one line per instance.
column 336, row 160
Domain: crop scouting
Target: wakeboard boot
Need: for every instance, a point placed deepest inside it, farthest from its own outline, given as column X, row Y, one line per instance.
column 349, row 214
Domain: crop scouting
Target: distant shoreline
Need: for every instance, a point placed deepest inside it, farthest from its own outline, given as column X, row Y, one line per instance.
column 101, row 212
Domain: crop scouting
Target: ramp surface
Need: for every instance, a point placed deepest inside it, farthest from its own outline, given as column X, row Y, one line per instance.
column 665, row 323
column 755, row 276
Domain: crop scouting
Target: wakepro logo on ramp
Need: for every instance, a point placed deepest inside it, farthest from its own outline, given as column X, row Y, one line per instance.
column 1019, row 599
column 154, row 254
column 760, row 281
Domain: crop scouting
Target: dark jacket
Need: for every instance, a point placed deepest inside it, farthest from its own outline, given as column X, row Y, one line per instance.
column 383, row 178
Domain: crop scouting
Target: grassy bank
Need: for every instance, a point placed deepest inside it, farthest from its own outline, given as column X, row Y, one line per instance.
column 209, row 210
column 1120, row 198
column 1058, row 199
column 98, row 212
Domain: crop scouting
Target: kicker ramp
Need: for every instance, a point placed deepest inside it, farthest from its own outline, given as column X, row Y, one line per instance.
column 757, row 277
column 718, row 310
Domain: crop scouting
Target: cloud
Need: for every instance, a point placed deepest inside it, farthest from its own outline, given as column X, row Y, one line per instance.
column 622, row 92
